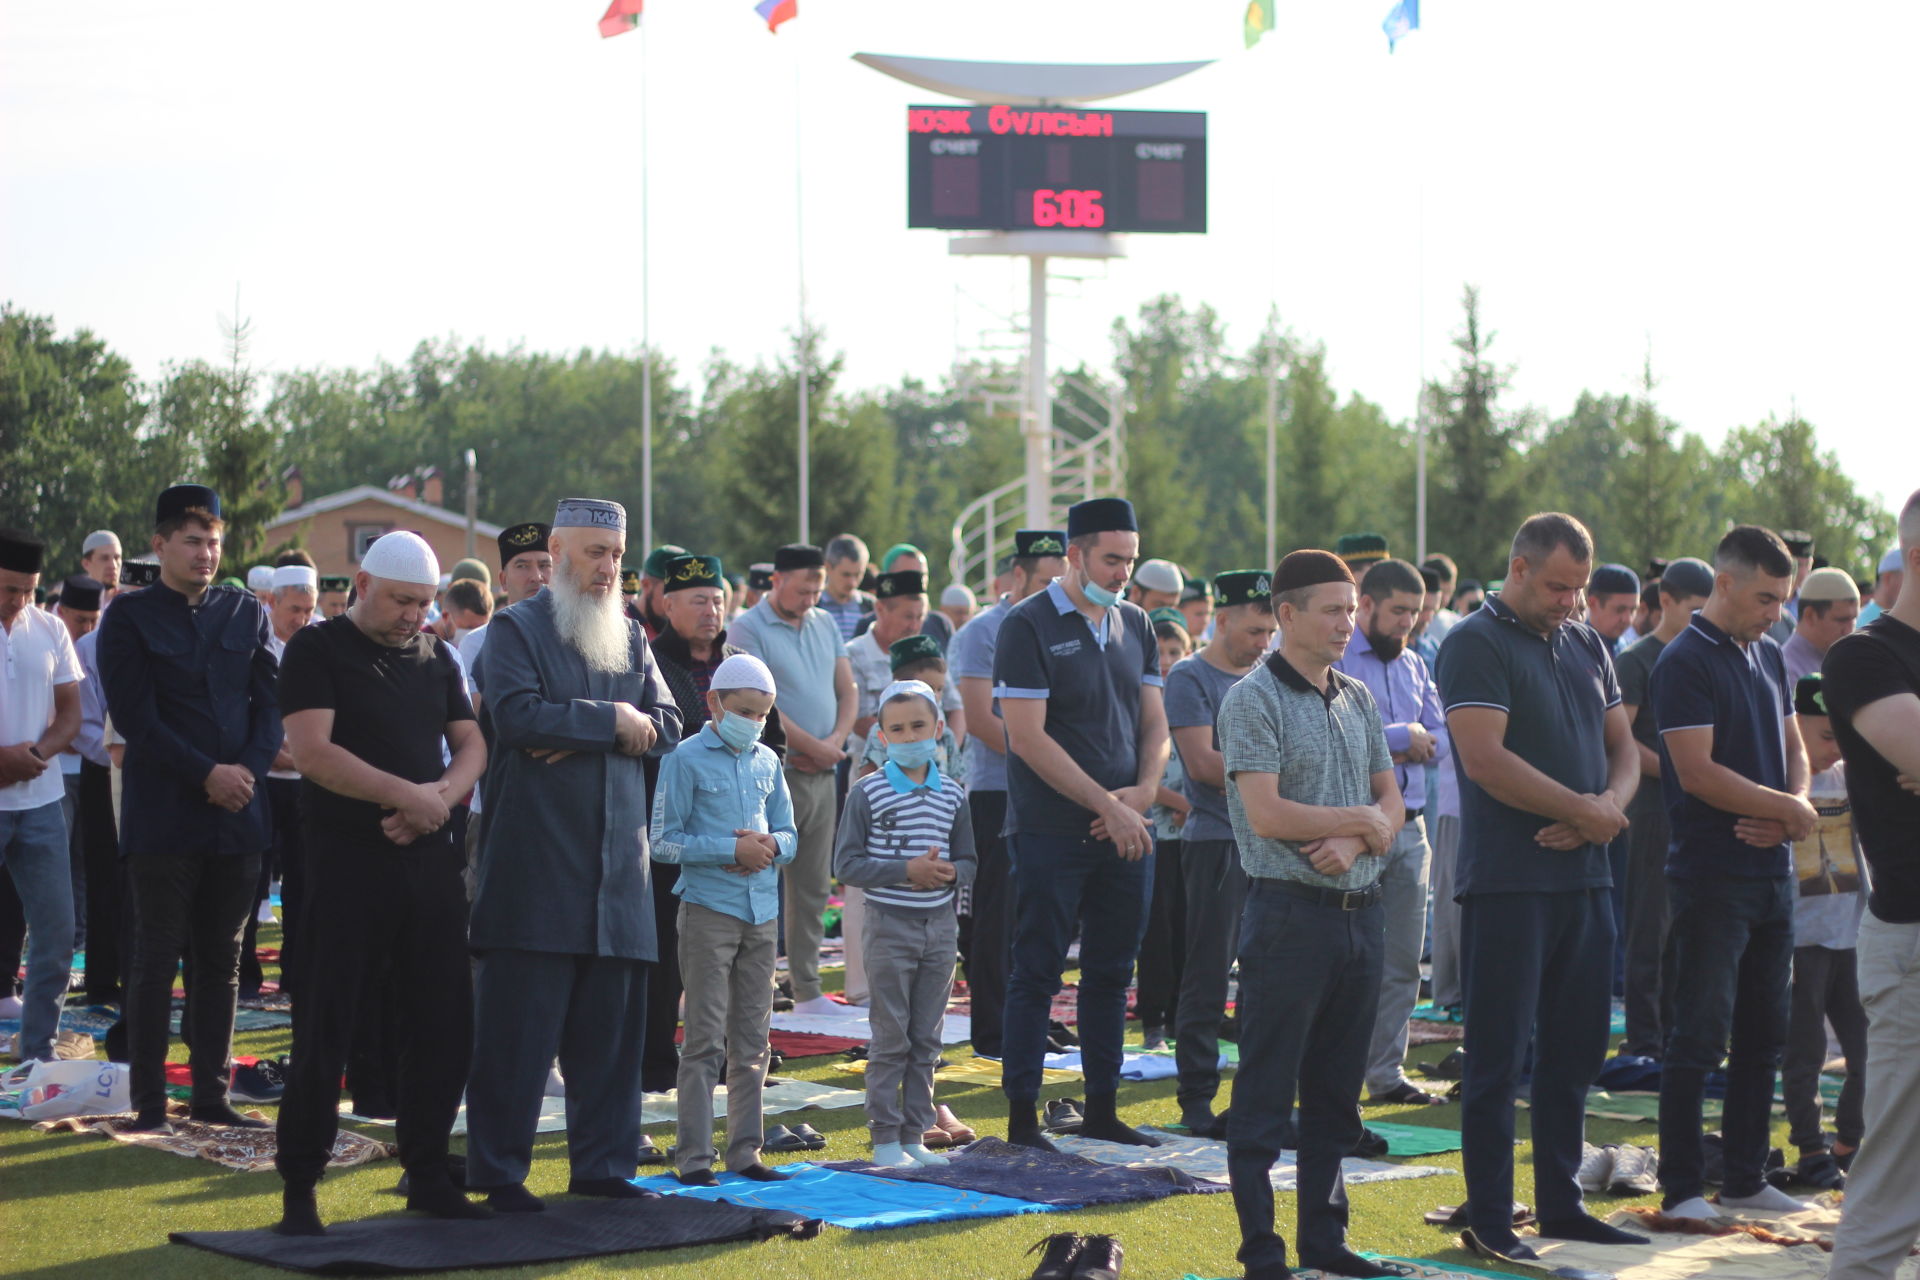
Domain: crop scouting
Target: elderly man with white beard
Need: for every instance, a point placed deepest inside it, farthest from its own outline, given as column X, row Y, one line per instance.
column 563, row 924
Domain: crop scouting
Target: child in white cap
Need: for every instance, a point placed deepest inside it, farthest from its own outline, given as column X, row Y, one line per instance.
column 907, row 840
column 721, row 810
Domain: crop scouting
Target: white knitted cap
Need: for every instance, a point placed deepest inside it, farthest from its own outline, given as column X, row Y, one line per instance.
column 402, row 557
column 742, row 671
column 296, row 575
column 260, row 578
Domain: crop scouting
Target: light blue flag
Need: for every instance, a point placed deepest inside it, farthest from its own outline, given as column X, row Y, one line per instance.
column 1402, row 21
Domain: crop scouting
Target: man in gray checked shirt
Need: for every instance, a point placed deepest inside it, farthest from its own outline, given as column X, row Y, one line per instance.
column 1314, row 804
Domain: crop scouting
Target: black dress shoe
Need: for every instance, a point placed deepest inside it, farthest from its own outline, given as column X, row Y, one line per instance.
column 1099, row 1258
column 1062, row 1251
column 609, row 1189
column 150, row 1121
column 223, row 1114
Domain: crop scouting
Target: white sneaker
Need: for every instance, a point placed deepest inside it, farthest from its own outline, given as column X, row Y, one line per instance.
column 1769, row 1199
column 1636, row 1171
column 820, row 1005
column 10, row 1008
column 1694, row 1208
column 265, row 914
column 1596, row 1168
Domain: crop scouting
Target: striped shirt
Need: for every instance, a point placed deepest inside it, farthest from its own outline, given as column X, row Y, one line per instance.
column 890, row 820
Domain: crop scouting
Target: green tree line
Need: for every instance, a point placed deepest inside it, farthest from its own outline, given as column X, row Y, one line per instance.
column 86, row 444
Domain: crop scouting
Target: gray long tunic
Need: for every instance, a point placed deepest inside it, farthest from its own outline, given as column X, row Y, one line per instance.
column 563, row 847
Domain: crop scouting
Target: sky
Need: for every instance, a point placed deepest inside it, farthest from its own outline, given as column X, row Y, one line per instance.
column 1728, row 190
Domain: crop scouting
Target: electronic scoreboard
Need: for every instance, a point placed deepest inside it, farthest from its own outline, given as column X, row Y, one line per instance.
column 1004, row 168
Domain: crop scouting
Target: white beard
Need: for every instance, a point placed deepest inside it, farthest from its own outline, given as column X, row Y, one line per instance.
column 595, row 627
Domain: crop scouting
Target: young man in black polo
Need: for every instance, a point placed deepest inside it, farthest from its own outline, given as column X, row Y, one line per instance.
column 1735, row 777
column 1076, row 674
column 370, row 698
column 1546, row 762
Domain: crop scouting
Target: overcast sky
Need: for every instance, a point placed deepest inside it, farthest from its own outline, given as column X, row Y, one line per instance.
column 1731, row 187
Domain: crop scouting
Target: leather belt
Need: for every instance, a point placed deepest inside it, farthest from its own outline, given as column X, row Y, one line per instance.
column 1339, row 899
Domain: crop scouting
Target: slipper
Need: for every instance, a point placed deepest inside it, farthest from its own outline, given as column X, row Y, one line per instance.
column 944, row 1118
column 1451, row 1067
column 650, row 1154
column 1064, row 1116
column 782, row 1140
column 815, row 1140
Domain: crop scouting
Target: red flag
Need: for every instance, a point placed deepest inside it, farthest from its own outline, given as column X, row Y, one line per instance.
column 621, row 15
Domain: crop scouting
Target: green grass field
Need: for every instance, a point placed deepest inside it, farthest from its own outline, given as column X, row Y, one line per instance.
column 80, row 1207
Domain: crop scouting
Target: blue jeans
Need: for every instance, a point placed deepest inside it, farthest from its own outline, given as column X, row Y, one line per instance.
column 33, row 845
column 1064, row 884
column 1729, row 970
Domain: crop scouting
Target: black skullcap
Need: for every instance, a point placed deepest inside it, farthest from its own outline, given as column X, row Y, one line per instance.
column 518, row 539
column 1309, row 569
column 1799, row 542
column 182, row 498
column 760, row 577
column 1035, row 543
column 1101, row 515
column 81, row 593
column 629, row 582
column 798, row 555
column 1809, row 696
column 912, row 649
column 683, row 573
column 1657, row 568
column 336, row 584
column 21, row 552
column 1430, row 579
column 901, row 582
column 1241, row 586
column 1468, row 584
column 1613, row 580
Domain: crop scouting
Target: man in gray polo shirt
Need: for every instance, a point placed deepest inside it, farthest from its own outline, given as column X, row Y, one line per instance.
column 1216, row 886
column 801, row 645
column 1314, row 803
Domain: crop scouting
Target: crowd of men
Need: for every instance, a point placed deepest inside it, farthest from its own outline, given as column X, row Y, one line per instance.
column 1700, row 792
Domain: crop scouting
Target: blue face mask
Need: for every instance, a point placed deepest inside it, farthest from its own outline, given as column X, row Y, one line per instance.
column 913, row 755
column 1101, row 596
column 737, row 731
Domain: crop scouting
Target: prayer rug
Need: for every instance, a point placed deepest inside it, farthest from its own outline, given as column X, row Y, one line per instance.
column 248, row 1150
column 1416, row 1139
column 1134, row 1066
column 850, row 1200
column 974, row 1069
column 1043, row 1177
column 780, row 1095
column 851, row 1023
column 1206, row 1158
column 796, row 1044
column 1422, row 1031
column 1677, row 1255
column 1423, row 1269
column 570, row 1228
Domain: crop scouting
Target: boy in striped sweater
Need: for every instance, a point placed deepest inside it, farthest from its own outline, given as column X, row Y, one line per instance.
column 906, row 839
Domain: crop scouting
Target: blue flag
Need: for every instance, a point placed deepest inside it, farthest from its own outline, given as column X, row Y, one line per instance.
column 1402, row 21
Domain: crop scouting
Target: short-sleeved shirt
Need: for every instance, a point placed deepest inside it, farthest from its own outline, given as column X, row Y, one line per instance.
column 801, row 656
column 1090, row 677
column 391, row 708
column 1881, row 660
column 1556, row 690
column 971, row 654
column 1159, row 816
column 1634, row 668
column 1195, row 688
column 35, row 655
column 1323, row 747
column 872, row 673
column 1706, row 680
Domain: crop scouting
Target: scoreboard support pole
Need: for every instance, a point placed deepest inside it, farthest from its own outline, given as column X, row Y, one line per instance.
column 1039, row 431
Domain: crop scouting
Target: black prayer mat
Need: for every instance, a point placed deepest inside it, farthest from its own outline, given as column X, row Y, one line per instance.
column 570, row 1228
column 1043, row 1177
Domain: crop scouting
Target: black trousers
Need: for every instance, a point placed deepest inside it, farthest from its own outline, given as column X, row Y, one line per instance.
column 1309, row 992
column 1163, row 951
column 990, row 958
column 289, row 851
column 1216, row 897
column 100, row 846
column 391, row 924
column 199, row 903
column 1826, row 988
column 660, row 1059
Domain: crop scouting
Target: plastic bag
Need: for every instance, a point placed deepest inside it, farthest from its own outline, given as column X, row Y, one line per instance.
column 52, row 1090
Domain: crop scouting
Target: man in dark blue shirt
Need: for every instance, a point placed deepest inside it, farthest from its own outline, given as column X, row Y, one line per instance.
column 1076, row 675
column 1546, row 763
column 1735, row 777
column 189, row 676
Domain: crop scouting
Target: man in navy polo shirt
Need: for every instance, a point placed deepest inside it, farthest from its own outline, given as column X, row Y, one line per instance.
column 1546, row 763
column 1076, row 674
column 1735, row 777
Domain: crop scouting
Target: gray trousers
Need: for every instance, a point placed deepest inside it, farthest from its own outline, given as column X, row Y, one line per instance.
column 529, row 1007
column 1403, row 889
column 804, row 881
column 1216, row 895
column 1882, row 1216
column 909, row 975
column 726, row 967
column 1446, row 912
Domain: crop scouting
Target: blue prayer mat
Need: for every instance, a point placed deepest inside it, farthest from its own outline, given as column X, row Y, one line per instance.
column 850, row 1200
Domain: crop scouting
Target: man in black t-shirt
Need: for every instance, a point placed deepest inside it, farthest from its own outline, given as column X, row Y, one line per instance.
column 369, row 701
column 1872, row 680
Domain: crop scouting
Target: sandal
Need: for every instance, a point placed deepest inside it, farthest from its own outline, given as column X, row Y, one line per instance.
column 815, row 1140
column 783, row 1141
column 650, row 1154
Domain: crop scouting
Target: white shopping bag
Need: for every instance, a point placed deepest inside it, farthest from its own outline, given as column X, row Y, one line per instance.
column 84, row 1087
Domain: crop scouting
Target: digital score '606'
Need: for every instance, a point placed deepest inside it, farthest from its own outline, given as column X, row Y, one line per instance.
column 1000, row 168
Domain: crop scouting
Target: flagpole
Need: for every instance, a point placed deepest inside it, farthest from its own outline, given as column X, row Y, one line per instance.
column 800, row 254
column 646, row 325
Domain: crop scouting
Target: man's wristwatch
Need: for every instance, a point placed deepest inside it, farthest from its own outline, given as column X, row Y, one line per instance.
column 34, row 751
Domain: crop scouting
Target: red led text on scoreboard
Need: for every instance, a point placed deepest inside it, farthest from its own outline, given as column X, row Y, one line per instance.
column 1013, row 120
column 1068, row 209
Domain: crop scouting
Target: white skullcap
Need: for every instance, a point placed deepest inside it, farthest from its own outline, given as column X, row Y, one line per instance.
column 1891, row 562
column 296, row 575
column 100, row 538
column 956, row 596
column 742, row 671
column 402, row 557
column 260, row 578
column 914, row 689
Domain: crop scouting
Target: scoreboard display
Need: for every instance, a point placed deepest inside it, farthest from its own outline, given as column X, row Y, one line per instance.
column 1004, row 168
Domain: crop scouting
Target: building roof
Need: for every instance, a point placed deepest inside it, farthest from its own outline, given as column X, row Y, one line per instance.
column 368, row 492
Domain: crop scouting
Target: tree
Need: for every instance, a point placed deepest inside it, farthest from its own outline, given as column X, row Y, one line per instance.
column 1777, row 476
column 1477, row 498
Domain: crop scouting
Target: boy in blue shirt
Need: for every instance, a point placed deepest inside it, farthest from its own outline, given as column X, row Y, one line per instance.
column 721, row 810
column 907, row 839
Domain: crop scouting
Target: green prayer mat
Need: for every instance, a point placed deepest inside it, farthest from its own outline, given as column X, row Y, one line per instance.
column 1416, row 1139
column 1424, row 1269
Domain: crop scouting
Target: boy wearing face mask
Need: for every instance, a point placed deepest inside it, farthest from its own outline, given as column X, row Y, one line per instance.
column 722, row 812
column 907, row 840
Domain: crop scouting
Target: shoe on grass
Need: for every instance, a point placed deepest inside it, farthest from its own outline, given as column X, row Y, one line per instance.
column 1636, row 1171
column 1596, row 1168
